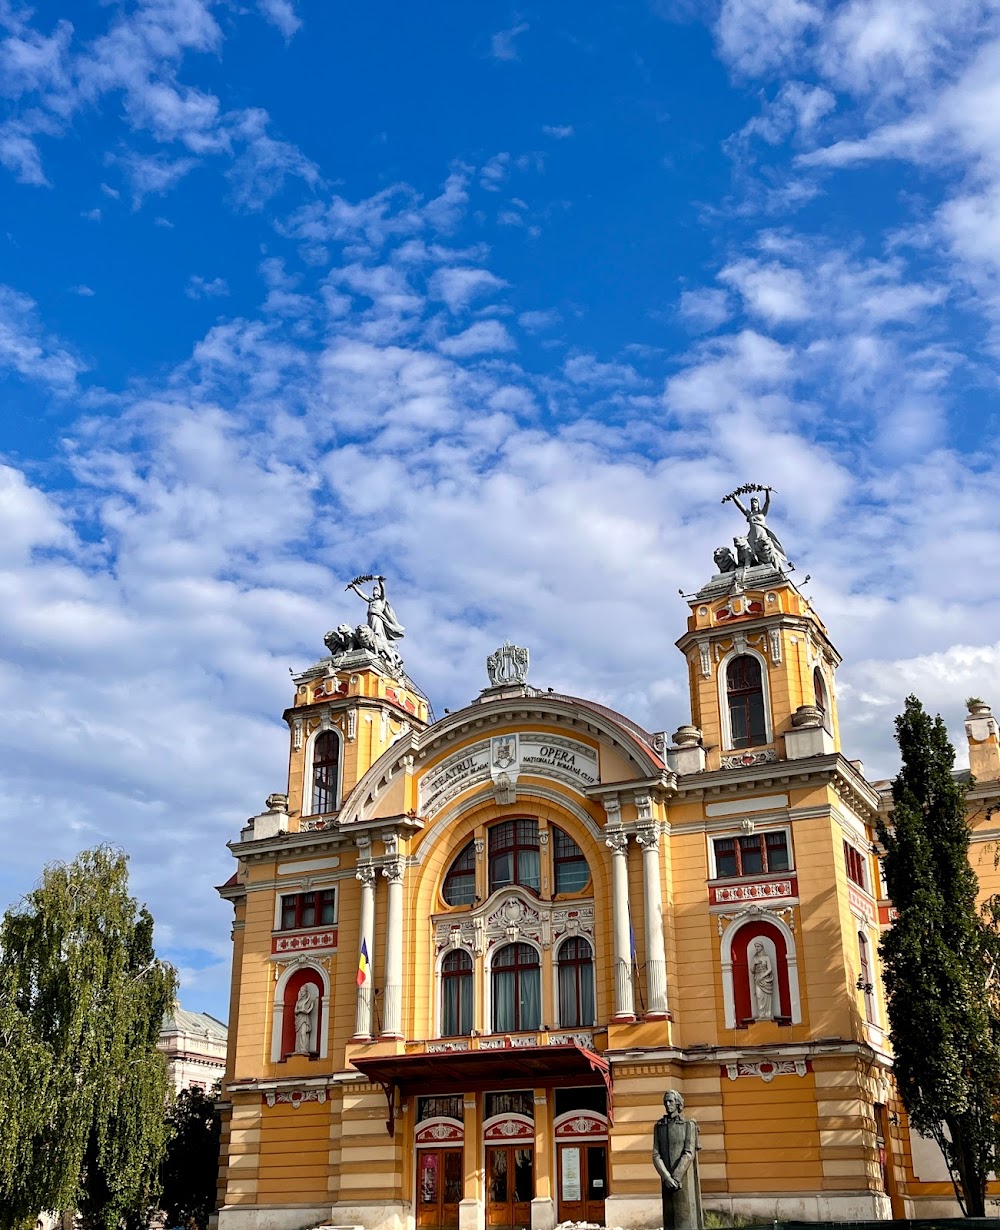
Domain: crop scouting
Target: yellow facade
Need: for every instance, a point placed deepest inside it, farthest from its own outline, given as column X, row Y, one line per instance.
column 699, row 914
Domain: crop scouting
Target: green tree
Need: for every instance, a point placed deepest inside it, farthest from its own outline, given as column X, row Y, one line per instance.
column 936, row 961
column 189, row 1174
column 82, row 998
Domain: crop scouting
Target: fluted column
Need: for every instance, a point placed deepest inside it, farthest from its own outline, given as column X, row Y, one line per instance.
column 617, row 843
column 392, row 1001
column 648, row 839
column 366, row 942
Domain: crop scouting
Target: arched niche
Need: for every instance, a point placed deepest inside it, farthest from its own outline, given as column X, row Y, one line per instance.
column 778, row 942
column 286, row 993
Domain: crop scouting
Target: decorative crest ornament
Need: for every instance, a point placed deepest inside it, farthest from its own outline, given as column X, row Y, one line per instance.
column 759, row 546
column 507, row 665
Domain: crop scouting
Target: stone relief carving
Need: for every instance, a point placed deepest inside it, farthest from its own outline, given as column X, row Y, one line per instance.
column 767, row 1069
column 512, row 918
column 746, row 760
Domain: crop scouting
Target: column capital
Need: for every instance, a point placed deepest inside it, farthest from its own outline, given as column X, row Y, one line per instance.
column 393, row 871
column 366, row 874
column 617, row 841
column 648, row 837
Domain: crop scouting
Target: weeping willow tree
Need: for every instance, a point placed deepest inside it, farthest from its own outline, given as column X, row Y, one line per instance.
column 83, row 1088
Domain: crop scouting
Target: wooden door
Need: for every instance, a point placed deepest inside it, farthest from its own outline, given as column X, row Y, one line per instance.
column 439, row 1188
column 583, row 1182
column 510, row 1186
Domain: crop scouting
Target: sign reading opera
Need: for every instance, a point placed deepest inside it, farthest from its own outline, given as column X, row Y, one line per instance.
column 470, row 954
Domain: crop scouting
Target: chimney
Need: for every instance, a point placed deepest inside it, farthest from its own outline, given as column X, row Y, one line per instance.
column 984, row 744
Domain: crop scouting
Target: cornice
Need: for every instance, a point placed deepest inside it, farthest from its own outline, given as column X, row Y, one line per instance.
column 833, row 769
column 781, row 619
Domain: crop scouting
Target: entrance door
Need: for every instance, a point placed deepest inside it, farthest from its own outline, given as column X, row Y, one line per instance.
column 510, row 1185
column 583, row 1182
column 439, row 1188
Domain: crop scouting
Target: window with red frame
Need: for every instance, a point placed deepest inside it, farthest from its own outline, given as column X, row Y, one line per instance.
column 855, row 866
column 514, row 856
column 326, row 769
column 745, row 694
column 459, row 886
column 308, row 910
column 753, row 855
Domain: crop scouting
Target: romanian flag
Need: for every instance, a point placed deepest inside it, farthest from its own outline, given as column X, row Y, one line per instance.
column 363, row 964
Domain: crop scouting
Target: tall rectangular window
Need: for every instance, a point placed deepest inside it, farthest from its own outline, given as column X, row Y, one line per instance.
column 855, row 862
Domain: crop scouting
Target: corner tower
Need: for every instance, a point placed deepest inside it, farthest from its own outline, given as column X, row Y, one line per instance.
column 761, row 665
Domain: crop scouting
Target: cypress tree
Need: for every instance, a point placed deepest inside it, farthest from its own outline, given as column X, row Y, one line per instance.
column 936, row 961
column 82, row 999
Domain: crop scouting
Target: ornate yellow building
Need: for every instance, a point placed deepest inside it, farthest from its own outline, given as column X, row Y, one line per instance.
column 470, row 954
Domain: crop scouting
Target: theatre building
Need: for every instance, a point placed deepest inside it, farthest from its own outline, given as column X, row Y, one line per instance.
column 471, row 954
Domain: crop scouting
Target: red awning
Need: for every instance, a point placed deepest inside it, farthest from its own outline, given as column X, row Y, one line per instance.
column 473, row 1071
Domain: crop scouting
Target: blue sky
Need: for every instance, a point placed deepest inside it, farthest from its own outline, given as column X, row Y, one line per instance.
column 498, row 301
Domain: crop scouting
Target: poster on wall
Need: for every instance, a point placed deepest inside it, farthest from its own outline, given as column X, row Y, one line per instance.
column 570, row 1173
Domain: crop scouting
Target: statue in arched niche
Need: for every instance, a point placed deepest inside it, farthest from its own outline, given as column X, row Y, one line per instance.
column 306, row 1018
column 761, row 982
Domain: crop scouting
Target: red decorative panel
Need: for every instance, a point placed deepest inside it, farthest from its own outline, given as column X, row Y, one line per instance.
column 325, row 688
column 440, row 1130
column 509, row 1127
column 759, row 890
column 887, row 914
column 306, row 941
column 742, row 943
column 861, row 903
column 580, row 1123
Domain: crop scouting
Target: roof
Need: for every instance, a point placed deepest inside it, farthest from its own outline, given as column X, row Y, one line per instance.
column 619, row 719
column 179, row 1020
column 504, row 1068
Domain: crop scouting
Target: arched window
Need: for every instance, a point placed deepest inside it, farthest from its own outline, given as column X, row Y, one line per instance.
column 459, row 886
column 572, row 874
column 819, row 689
column 456, row 994
column 745, row 694
column 516, row 989
column 865, row 977
column 325, row 771
column 514, row 855
column 576, row 983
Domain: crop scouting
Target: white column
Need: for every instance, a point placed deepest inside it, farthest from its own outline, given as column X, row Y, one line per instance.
column 366, row 937
column 392, row 999
column 648, row 838
column 617, row 843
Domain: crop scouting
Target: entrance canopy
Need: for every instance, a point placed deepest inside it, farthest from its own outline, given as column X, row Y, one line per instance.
column 535, row 1067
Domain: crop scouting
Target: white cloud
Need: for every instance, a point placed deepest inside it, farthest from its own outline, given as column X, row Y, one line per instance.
column 483, row 337
column 206, row 288
column 458, row 285
column 281, row 13
column 559, row 132
column 83, row 291
column 704, row 308
column 503, row 44
column 25, row 347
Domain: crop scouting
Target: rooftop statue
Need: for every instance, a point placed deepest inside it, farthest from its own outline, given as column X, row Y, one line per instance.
column 760, row 545
column 377, row 635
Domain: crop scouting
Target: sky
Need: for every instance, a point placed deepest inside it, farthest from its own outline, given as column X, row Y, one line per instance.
column 498, row 301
